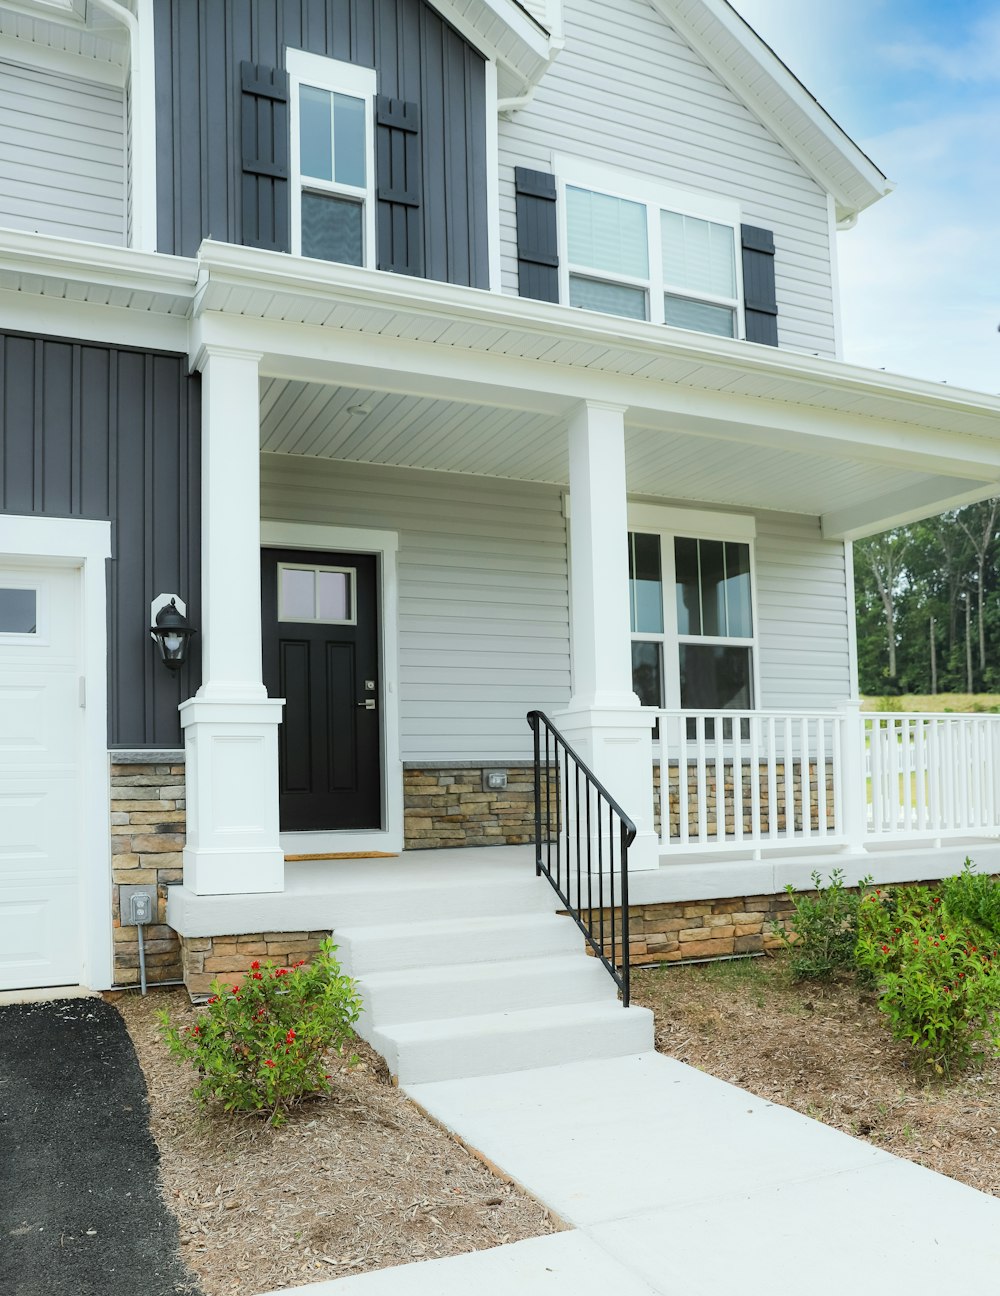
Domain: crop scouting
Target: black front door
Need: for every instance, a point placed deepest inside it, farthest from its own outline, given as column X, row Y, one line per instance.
column 321, row 654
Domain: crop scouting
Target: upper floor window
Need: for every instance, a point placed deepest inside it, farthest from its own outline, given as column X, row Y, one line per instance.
column 333, row 198
column 645, row 251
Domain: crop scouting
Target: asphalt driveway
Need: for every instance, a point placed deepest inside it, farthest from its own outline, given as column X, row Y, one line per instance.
column 80, row 1213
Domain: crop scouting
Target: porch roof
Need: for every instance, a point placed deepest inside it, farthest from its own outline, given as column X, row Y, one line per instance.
column 466, row 380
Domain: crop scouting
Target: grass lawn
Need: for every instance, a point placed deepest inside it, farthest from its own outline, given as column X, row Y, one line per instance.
column 957, row 702
column 823, row 1051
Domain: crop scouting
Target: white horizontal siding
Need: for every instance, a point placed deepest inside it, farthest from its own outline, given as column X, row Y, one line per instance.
column 628, row 92
column 804, row 623
column 483, row 597
column 62, row 155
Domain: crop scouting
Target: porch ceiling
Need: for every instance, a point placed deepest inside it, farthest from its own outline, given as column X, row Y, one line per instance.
column 405, row 431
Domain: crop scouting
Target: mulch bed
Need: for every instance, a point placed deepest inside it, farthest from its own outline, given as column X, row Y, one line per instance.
column 354, row 1182
column 822, row 1049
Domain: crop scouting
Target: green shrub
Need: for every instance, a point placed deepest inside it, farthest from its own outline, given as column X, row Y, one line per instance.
column 823, row 928
column 973, row 897
column 888, row 704
column 260, row 1046
column 939, row 988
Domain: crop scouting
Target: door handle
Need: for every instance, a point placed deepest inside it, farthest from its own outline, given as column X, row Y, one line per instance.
column 367, row 705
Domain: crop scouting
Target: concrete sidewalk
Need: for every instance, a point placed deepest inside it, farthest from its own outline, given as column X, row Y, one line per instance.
column 675, row 1182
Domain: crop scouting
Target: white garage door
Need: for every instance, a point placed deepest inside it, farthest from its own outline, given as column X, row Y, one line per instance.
column 40, row 741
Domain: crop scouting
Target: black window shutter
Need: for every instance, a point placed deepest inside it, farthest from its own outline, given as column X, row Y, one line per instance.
column 537, row 235
column 759, row 301
column 399, row 219
column 265, row 157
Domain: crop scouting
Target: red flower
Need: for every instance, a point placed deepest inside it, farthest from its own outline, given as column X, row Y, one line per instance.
column 885, row 949
column 268, row 1062
column 960, row 975
column 236, row 989
column 214, row 999
column 280, row 972
column 255, row 965
column 196, row 1030
column 256, row 976
column 289, row 1037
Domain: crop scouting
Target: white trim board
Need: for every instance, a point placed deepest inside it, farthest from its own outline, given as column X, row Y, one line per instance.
column 384, row 545
column 87, row 545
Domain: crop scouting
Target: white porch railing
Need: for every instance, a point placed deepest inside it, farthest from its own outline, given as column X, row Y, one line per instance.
column 756, row 779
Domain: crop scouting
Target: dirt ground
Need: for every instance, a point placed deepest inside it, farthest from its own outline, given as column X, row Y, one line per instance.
column 359, row 1181
column 818, row 1049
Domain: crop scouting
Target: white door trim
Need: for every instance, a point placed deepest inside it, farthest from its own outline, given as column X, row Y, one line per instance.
column 87, row 545
column 385, row 546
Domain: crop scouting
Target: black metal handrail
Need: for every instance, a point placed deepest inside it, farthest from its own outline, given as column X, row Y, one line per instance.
column 582, row 832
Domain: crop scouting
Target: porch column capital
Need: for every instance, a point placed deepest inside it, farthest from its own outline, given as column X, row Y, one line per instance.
column 202, row 352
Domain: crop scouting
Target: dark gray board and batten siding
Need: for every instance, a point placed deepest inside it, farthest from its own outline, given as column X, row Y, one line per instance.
column 108, row 433
column 201, row 46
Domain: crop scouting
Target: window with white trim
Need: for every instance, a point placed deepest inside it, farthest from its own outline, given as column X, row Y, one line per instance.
column 333, row 159
column 693, row 634
column 646, row 251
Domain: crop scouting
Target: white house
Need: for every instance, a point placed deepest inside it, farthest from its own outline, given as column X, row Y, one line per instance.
column 446, row 361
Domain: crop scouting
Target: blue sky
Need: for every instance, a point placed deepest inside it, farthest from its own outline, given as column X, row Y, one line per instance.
column 916, row 83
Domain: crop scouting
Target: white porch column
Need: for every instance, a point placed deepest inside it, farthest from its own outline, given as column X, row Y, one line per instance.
column 230, row 725
column 604, row 721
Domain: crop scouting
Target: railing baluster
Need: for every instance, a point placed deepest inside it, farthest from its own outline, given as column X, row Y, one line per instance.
column 756, row 828
column 700, row 773
column 737, row 723
column 788, row 778
column 683, row 785
column 907, row 763
column 821, row 775
column 804, row 777
column 772, row 779
column 719, row 763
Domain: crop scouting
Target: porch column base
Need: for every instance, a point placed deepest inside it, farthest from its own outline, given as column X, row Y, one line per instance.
column 617, row 744
column 231, row 750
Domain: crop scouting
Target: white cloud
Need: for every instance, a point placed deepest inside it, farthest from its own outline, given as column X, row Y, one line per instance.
column 975, row 58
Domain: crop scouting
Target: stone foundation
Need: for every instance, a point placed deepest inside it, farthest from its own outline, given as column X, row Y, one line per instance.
column 207, row 958
column 447, row 806
column 669, row 933
column 147, row 837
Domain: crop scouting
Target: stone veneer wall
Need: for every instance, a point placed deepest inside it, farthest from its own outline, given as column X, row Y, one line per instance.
column 447, row 806
column 668, row 933
column 206, row 958
column 147, row 837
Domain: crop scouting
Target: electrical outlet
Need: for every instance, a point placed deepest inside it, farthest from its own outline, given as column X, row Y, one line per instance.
column 494, row 780
column 137, row 905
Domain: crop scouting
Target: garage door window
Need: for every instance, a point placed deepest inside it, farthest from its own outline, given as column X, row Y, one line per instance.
column 18, row 611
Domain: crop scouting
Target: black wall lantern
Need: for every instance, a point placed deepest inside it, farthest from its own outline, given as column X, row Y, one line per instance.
column 172, row 632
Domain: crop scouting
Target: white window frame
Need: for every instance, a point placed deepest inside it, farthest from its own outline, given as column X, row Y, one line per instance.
column 336, row 77
column 669, row 524
column 349, row 572
column 577, row 173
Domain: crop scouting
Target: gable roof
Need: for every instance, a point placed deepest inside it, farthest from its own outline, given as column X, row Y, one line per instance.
column 758, row 77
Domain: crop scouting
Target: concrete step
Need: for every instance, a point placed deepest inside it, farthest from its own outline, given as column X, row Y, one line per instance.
column 436, row 900
column 496, row 1043
column 467, row 989
column 390, row 947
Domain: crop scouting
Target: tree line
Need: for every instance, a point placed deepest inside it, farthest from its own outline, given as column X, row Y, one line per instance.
column 928, row 605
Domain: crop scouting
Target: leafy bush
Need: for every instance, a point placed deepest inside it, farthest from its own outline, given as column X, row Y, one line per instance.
column 260, row 1046
column 973, row 898
column 824, row 928
column 939, row 989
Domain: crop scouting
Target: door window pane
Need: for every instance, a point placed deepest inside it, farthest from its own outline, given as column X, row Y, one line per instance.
column 645, row 583
column 647, row 673
column 698, row 255
column 18, row 611
column 315, row 133
column 334, row 596
column 612, row 299
column 349, row 140
column 332, row 228
column 715, row 677
column 606, row 233
column 702, row 317
column 296, row 594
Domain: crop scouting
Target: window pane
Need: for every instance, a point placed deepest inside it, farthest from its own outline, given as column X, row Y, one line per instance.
column 606, row 233
column 714, row 677
column 613, row 299
column 297, row 595
column 698, row 255
column 645, row 583
column 334, row 596
column 17, row 611
column 688, row 587
column 713, row 587
column 315, row 133
column 349, row 140
column 332, row 228
column 647, row 673
column 738, row 591
column 702, row 317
